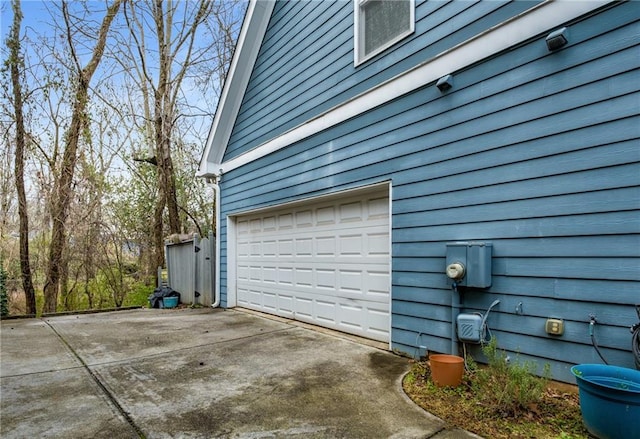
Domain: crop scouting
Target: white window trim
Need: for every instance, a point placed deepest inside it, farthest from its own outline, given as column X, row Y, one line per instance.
column 358, row 47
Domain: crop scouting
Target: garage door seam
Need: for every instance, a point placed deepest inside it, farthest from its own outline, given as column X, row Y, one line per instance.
column 100, row 384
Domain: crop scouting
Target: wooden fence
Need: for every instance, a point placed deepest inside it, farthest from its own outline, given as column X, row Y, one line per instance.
column 190, row 267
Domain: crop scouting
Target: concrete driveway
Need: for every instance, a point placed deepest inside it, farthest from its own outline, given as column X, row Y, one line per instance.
column 199, row 373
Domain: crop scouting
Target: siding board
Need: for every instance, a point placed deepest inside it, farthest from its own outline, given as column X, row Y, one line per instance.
column 474, row 132
column 469, row 18
column 582, row 225
column 536, row 152
column 411, row 287
column 548, row 206
column 585, row 246
column 572, row 267
column 501, row 80
column 374, row 71
column 610, row 319
column 410, row 199
column 576, row 331
column 305, row 68
column 560, row 361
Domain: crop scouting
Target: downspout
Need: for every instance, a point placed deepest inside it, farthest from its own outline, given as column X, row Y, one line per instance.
column 216, row 260
column 196, row 249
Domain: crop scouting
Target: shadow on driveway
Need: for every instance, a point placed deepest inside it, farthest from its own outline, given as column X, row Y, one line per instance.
column 199, row 374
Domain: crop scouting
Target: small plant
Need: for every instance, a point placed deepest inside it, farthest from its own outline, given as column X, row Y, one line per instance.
column 507, row 388
column 501, row 400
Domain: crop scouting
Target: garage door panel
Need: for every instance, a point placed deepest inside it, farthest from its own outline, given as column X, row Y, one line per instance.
column 269, row 275
column 284, row 247
column 378, row 244
column 326, row 279
column 243, row 272
column 254, row 297
column 356, row 285
column 350, row 281
column 326, row 311
column 269, row 247
column 303, row 277
column 303, row 306
column 286, row 305
column 326, row 263
column 326, row 245
column 243, row 249
column 318, row 262
column 350, row 315
column 269, row 223
column 270, row 301
column 303, row 247
column 325, row 216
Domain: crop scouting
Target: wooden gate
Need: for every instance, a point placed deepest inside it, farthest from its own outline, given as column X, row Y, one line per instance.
column 190, row 268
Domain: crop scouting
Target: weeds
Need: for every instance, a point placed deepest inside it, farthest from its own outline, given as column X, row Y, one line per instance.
column 503, row 399
column 507, row 388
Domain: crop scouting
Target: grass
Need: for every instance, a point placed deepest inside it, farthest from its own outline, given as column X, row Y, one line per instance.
column 500, row 400
column 139, row 295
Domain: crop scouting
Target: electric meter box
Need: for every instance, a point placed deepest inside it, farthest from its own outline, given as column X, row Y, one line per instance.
column 469, row 263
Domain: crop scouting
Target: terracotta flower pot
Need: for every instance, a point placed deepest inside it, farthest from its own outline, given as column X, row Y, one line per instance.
column 446, row 370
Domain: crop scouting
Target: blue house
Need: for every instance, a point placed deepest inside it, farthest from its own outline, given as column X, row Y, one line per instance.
column 431, row 174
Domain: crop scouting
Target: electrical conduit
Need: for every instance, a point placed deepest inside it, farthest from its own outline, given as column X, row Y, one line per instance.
column 455, row 310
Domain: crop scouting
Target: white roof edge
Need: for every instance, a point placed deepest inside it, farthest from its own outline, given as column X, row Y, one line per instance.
column 244, row 58
column 538, row 19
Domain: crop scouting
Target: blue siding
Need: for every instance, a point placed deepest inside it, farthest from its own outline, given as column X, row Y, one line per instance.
column 305, row 65
column 537, row 152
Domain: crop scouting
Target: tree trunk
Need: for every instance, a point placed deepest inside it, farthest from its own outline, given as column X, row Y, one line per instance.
column 63, row 192
column 14, row 60
column 167, row 196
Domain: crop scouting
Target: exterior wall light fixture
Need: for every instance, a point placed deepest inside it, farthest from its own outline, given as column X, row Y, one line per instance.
column 557, row 39
column 445, row 83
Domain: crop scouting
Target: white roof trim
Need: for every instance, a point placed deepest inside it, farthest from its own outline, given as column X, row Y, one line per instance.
column 537, row 20
column 244, row 57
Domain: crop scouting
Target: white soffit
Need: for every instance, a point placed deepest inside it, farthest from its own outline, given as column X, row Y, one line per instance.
column 539, row 19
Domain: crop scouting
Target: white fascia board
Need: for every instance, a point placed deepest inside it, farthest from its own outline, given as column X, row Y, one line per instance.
column 244, row 58
column 539, row 19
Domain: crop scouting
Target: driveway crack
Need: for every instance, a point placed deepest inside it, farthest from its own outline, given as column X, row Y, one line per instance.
column 100, row 384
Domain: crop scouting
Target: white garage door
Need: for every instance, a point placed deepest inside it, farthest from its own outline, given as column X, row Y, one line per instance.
column 325, row 262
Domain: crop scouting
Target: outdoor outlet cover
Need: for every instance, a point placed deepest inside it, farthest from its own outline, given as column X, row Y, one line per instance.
column 554, row 326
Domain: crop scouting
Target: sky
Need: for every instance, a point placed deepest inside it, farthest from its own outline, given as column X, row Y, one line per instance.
column 37, row 22
column 34, row 15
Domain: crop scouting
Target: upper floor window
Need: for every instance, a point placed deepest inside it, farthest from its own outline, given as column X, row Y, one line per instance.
column 380, row 24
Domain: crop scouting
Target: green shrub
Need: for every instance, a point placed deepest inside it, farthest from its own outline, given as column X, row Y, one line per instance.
column 138, row 295
column 507, row 387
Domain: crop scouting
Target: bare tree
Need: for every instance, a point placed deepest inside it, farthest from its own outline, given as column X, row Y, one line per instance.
column 161, row 75
column 63, row 188
column 15, row 59
column 80, row 111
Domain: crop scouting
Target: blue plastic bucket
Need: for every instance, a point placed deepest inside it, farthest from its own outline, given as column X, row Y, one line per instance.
column 170, row 302
column 609, row 400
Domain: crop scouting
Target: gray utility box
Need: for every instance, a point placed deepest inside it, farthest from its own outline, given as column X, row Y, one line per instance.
column 470, row 327
column 475, row 258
